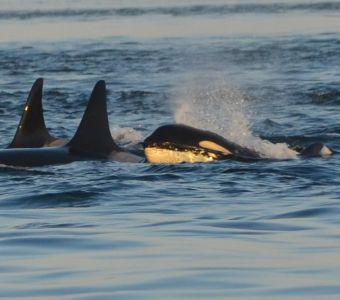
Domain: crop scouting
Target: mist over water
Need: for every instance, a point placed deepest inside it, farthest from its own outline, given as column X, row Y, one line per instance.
column 210, row 103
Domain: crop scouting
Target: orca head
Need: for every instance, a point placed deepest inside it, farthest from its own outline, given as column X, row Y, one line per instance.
column 177, row 143
column 31, row 131
column 316, row 149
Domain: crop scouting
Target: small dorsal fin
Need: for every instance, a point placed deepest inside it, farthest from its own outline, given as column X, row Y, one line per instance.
column 31, row 131
column 93, row 136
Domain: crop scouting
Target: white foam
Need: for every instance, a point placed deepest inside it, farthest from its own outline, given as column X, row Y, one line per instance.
column 126, row 136
column 212, row 104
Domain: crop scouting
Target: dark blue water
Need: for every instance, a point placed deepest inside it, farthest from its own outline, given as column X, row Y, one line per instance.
column 260, row 73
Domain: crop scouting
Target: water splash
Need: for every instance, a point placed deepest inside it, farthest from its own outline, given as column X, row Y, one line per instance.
column 126, row 136
column 212, row 104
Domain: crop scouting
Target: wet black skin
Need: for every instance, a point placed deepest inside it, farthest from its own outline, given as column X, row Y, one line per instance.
column 183, row 136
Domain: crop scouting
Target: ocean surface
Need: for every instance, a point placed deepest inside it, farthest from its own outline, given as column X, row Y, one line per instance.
column 265, row 74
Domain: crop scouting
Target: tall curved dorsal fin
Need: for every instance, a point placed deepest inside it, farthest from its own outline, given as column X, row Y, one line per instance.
column 31, row 131
column 93, row 136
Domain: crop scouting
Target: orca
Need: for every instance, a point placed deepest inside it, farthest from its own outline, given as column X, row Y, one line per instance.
column 31, row 131
column 92, row 140
column 178, row 143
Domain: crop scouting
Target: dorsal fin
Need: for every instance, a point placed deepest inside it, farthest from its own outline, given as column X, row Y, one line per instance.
column 93, row 136
column 31, row 131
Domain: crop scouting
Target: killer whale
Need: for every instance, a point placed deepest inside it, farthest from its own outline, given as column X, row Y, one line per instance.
column 178, row 143
column 168, row 144
column 91, row 141
column 32, row 132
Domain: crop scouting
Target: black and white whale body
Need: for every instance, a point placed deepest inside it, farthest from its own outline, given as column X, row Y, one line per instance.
column 168, row 144
column 178, row 143
column 92, row 140
column 31, row 131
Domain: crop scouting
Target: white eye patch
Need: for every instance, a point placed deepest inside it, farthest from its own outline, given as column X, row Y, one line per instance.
column 215, row 147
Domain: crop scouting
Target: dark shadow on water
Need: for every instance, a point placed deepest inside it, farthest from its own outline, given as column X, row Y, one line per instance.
column 53, row 200
column 43, row 225
column 306, row 213
column 22, row 171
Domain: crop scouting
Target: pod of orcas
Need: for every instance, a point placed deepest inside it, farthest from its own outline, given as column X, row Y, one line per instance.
column 33, row 145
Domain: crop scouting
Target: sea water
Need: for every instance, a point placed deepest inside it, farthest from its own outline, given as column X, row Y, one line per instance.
column 262, row 73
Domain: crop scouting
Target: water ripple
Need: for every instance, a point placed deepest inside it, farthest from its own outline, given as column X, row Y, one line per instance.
column 307, row 213
column 56, row 199
column 180, row 10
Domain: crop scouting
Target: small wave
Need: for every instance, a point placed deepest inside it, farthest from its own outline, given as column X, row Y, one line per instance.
column 134, row 94
column 178, row 10
column 258, row 226
column 16, row 170
column 65, row 13
column 71, row 243
column 306, row 213
column 44, row 225
column 333, row 134
column 51, row 200
column 271, row 123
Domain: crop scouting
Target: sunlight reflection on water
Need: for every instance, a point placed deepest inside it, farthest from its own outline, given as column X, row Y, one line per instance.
column 164, row 26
